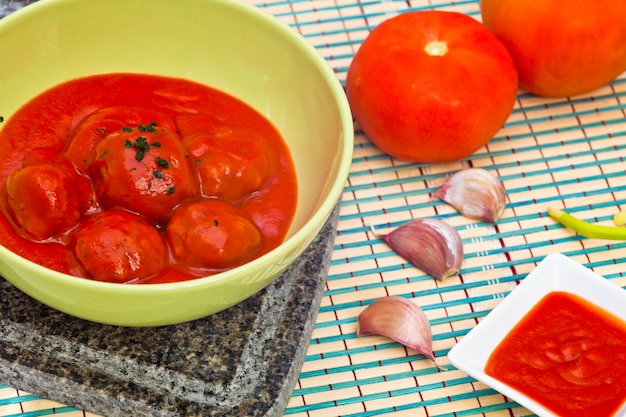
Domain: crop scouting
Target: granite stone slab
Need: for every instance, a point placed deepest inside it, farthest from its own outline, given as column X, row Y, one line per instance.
column 243, row 361
column 9, row 6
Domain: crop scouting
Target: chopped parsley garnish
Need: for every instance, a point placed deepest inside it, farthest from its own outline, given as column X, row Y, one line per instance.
column 147, row 128
column 1, row 119
column 140, row 155
column 171, row 190
column 127, row 129
column 161, row 162
column 157, row 174
column 141, row 145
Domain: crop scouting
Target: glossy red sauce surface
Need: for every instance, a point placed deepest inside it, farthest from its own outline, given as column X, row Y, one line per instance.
column 141, row 178
column 568, row 355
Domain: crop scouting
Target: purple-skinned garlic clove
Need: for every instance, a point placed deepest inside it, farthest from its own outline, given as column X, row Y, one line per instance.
column 398, row 319
column 429, row 244
column 476, row 193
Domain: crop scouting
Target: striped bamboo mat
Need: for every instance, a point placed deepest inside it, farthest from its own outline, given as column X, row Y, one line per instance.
column 560, row 152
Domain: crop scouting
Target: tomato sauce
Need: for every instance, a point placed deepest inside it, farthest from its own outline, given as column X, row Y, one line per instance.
column 568, row 355
column 138, row 178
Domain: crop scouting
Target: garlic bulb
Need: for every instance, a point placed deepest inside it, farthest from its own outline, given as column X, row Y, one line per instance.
column 475, row 193
column 400, row 320
column 429, row 244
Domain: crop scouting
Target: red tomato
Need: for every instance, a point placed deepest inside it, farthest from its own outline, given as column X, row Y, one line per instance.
column 431, row 86
column 561, row 48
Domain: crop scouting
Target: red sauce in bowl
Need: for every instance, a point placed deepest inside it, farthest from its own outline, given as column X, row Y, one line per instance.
column 567, row 354
column 144, row 179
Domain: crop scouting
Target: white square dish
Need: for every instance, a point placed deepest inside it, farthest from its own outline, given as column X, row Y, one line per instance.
column 555, row 273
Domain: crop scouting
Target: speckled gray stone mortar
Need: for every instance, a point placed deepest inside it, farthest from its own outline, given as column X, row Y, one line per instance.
column 243, row 361
column 9, row 6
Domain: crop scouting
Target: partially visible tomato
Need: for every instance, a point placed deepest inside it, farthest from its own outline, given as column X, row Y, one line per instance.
column 561, row 48
column 431, row 86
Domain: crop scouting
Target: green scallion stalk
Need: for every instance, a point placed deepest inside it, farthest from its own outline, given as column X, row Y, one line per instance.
column 590, row 230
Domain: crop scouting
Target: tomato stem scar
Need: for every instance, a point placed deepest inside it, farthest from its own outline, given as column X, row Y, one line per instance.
column 436, row 48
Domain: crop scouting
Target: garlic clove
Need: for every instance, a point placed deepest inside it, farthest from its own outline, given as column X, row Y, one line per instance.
column 429, row 244
column 400, row 320
column 475, row 193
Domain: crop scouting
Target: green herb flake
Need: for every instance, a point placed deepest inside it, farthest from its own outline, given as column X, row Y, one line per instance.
column 1, row 119
column 103, row 154
column 127, row 129
column 147, row 128
column 157, row 174
column 128, row 144
column 216, row 223
column 142, row 146
column 141, row 143
column 171, row 190
column 156, row 144
column 161, row 162
column 101, row 131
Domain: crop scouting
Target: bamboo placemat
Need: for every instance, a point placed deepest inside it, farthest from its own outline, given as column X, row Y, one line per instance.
column 560, row 152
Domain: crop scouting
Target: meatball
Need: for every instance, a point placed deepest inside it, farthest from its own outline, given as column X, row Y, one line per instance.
column 188, row 124
column 42, row 200
column 119, row 246
column 97, row 125
column 143, row 171
column 87, row 201
column 228, row 168
column 82, row 143
column 133, row 117
column 208, row 233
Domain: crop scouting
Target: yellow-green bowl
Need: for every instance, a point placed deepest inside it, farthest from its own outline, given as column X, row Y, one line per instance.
column 226, row 44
